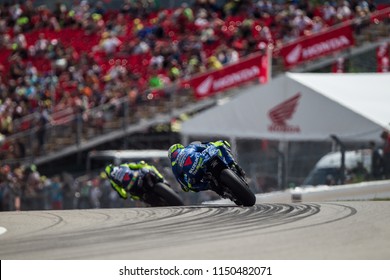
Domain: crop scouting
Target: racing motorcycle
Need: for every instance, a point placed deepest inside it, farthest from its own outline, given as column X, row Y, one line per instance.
column 152, row 189
column 228, row 181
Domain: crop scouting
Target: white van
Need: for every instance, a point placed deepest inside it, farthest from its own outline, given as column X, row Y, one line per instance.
column 328, row 167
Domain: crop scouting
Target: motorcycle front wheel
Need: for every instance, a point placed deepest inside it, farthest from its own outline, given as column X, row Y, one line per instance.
column 239, row 189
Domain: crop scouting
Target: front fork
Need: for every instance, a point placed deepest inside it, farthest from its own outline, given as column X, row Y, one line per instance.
column 214, row 168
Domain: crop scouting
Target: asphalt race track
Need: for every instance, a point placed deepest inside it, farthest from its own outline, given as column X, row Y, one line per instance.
column 332, row 230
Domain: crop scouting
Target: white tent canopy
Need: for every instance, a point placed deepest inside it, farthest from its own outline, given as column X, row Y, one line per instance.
column 302, row 107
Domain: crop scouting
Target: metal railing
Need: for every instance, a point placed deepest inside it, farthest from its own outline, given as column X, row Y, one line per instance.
column 70, row 127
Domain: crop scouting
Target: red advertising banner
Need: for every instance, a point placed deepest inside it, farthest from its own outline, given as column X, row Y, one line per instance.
column 382, row 56
column 381, row 14
column 317, row 45
column 228, row 77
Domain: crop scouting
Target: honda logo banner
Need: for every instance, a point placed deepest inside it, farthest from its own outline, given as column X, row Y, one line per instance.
column 283, row 112
column 228, row 77
column 315, row 46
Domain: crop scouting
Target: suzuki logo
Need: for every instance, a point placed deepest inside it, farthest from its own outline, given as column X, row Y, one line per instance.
column 283, row 112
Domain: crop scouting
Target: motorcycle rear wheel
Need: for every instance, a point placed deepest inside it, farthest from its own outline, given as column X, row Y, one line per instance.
column 244, row 196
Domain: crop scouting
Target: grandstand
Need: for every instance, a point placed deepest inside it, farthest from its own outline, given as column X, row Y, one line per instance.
column 84, row 76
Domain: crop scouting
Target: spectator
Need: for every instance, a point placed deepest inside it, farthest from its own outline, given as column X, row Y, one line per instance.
column 385, row 135
column 46, row 193
column 10, row 184
column 6, row 121
column 116, row 71
column 343, row 11
column 301, row 23
column 41, row 45
column 17, row 67
column 43, row 120
column 106, row 189
column 376, row 162
column 67, row 191
column 318, row 24
column 201, row 19
column 56, row 193
column 3, row 187
column 140, row 46
column 328, row 13
column 156, row 81
column 19, row 43
column 265, row 34
column 109, row 44
column 32, row 189
column 182, row 17
column 214, row 63
column 17, row 149
column 84, row 193
column 95, row 193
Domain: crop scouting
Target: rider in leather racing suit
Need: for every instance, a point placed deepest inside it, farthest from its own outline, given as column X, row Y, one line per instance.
column 128, row 178
column 188, row 162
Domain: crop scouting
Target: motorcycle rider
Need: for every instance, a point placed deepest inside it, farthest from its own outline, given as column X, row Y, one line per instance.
column 188, row 162
column 128, row 178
